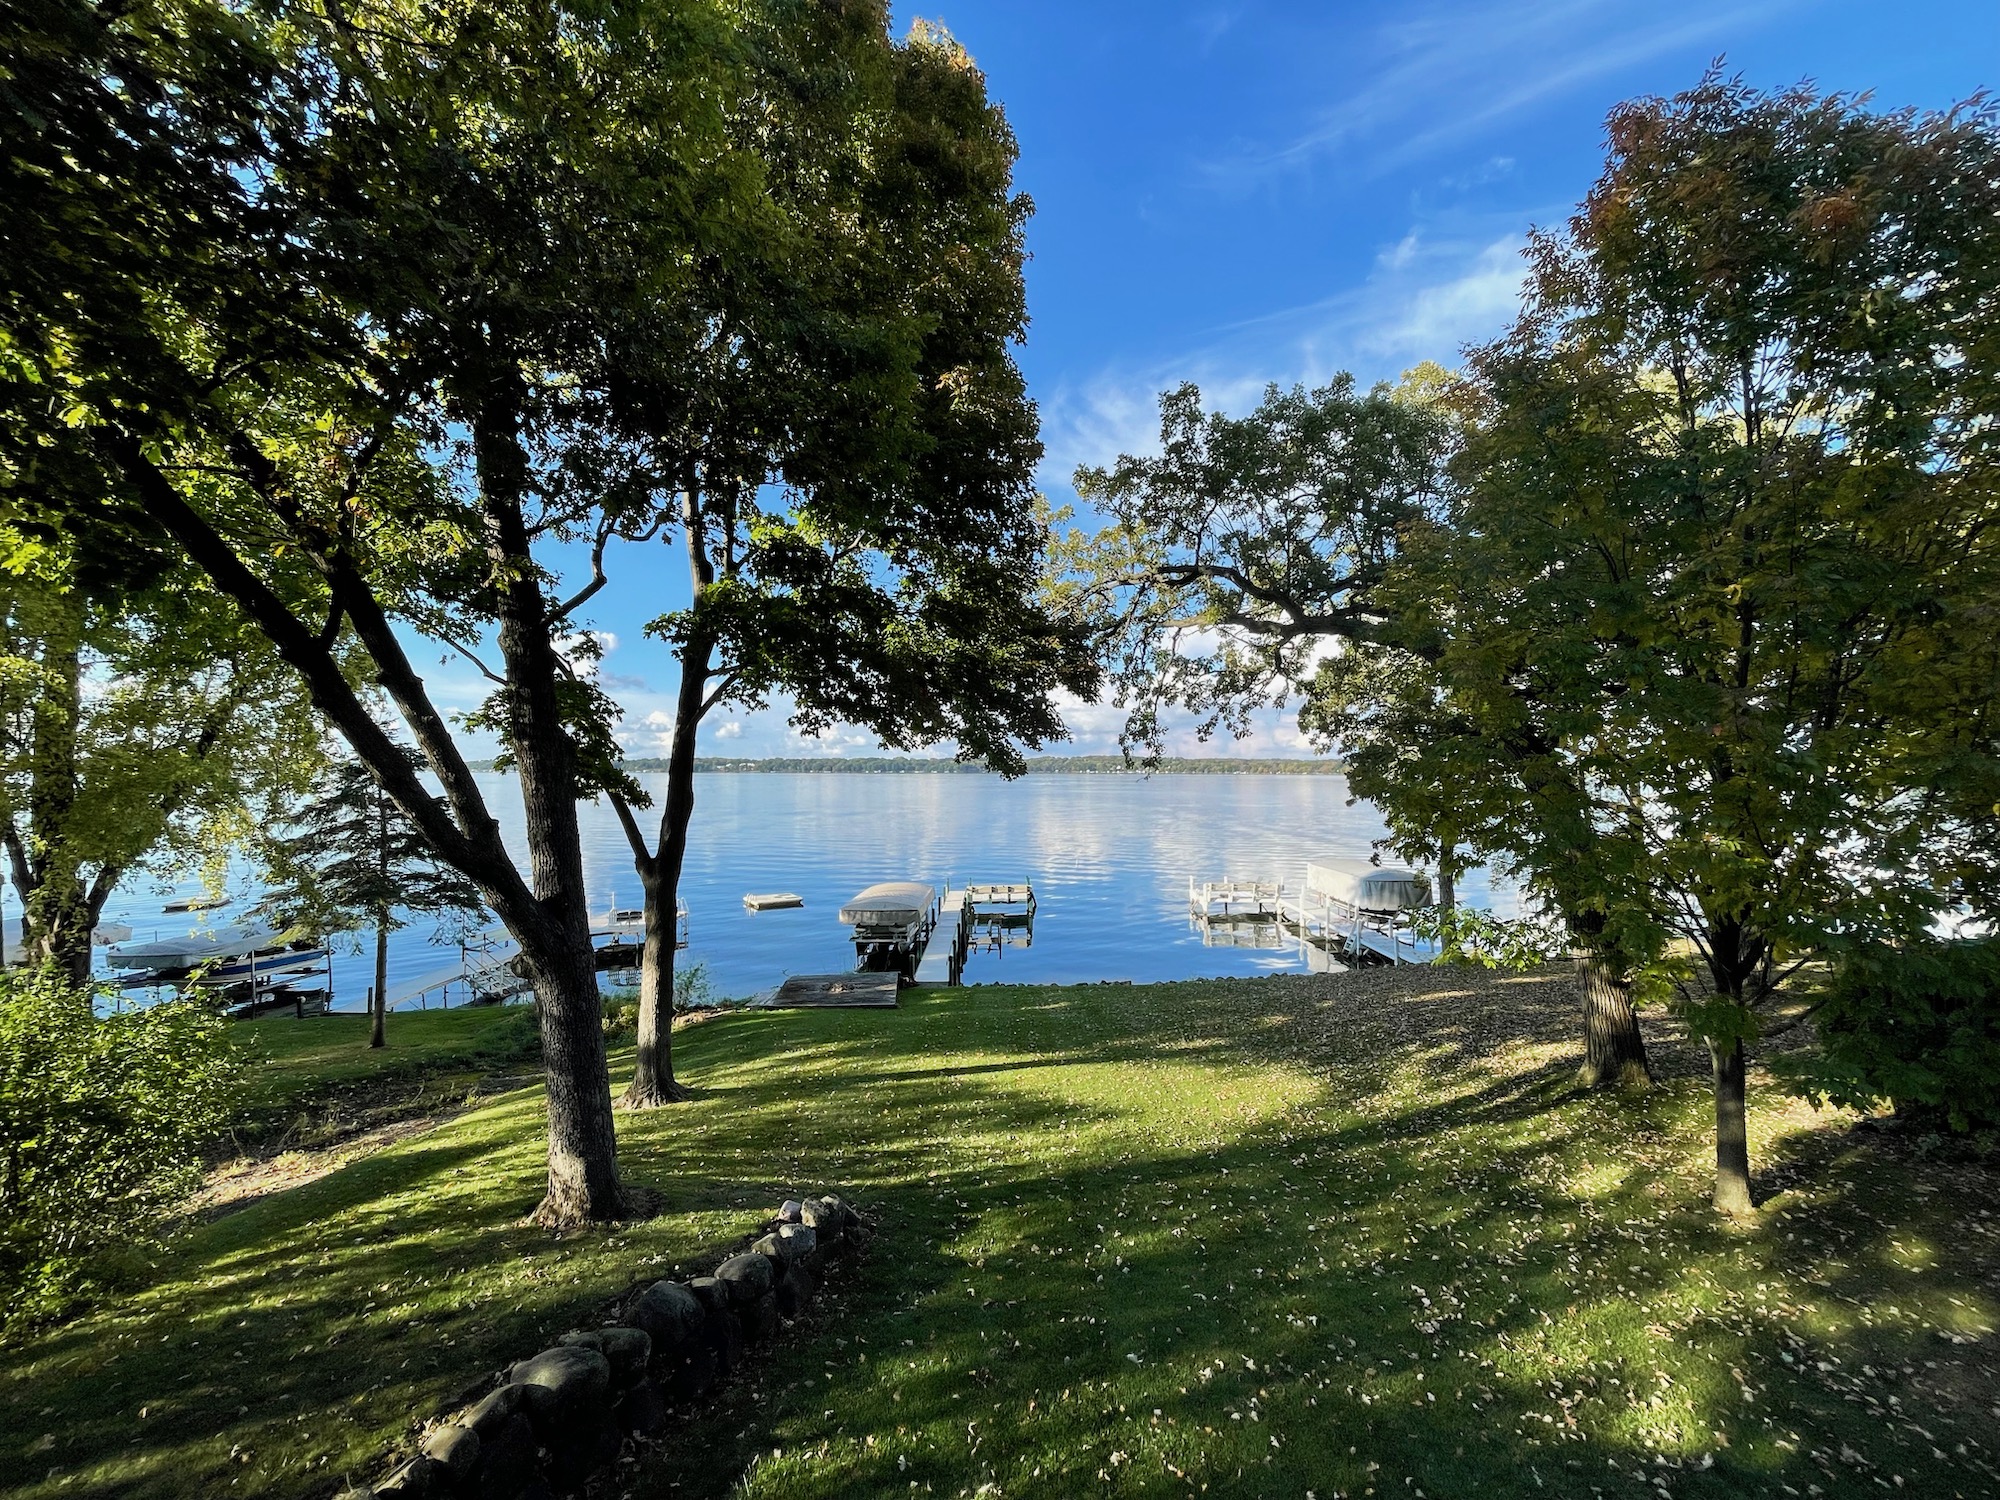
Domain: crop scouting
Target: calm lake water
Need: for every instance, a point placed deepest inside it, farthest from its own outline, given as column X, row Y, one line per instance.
column 1109, row 857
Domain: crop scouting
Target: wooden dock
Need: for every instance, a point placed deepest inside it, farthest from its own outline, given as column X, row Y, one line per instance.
column 487, row 973
column 904, row 928
column 837, row 992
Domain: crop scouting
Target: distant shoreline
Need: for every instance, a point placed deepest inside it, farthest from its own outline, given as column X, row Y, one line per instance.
column 1040, row 765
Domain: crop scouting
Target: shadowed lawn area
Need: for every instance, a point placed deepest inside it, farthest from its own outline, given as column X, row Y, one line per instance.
column 310, row 1060
column 1339, row 1235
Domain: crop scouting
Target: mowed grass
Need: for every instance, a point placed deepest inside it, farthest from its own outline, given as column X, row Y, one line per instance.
column 302, row 1064
column 1349, row 1235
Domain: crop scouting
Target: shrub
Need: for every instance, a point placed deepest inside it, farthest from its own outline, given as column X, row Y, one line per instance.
column 692, row 991
column 1474, row 937
column 1918, row 1025
column 102, row 1126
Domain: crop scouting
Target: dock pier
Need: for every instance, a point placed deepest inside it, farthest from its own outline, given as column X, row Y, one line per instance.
column 906, row 928
column 1344, row 912
column 944, row 952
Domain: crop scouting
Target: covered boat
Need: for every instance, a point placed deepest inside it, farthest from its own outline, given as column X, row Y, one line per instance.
column 232, row 940
column 261, row 965
column 892, row 922
column 1363, row 886
column 893, row 905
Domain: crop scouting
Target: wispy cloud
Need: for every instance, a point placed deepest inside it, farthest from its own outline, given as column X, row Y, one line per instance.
column 1440, row 74
column 1215, row 22
column 1428, row 295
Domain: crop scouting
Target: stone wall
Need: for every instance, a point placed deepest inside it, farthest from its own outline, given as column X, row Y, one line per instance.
column 555, row 1419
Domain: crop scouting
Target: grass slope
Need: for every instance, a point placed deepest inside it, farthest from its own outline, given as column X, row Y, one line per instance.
column 1349, row 1235
column 307, row 1065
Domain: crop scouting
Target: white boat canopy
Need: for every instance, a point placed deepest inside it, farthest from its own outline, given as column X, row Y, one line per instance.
column 893, row 903
column 1368, row 887
column 227, row 941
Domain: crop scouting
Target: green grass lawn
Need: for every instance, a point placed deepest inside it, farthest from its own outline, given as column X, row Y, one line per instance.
column 306, row 1063
column 1342, row 1236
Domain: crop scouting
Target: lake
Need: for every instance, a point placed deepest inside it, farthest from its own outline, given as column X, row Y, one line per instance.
column 1109, row 857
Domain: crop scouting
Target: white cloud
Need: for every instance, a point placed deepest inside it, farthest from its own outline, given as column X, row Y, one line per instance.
column 1430, row 292
column 837, row 741
column 1435, row 320
column 1094, row 729
column 1438, row 74
column 733, row 730
column 585, row 651
column 1404, row 251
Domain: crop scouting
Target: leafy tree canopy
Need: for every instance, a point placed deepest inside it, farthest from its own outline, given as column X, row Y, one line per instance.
column 1705, row 642
column 1237, row 557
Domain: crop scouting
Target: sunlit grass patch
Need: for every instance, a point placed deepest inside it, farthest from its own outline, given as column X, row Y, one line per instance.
column 1339, row 1235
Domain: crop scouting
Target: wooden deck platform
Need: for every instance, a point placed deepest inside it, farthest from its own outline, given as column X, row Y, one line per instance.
column 837, row 991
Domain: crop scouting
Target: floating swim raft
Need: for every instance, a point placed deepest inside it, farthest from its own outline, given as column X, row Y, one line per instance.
column 772, row 900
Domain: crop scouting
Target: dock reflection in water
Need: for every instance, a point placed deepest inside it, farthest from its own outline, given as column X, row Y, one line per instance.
column 995, row 932
column 1303, row 949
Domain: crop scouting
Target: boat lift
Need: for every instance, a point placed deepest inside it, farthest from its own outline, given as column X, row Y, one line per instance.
column 906, row 928
column 1348, row 908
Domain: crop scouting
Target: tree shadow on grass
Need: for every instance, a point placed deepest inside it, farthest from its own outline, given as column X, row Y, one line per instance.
column 1582, row 1323
column 1245, row 1208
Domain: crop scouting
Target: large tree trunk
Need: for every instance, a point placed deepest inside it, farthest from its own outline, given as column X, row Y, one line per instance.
column 378, row 1006
column 56, row 918
column 653, row 1080
column 583, row 1145
column 1614, row 1052
column 1732, row 1134
column 57, row 933
column 550, row 921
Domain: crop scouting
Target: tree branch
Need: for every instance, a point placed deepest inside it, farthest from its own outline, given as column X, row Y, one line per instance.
column 466, row 836
column 641, row 854
column 605, row 532
column 725, row 684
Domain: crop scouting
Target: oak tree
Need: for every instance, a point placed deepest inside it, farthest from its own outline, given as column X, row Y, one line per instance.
column 883, row 572
column 331, row 293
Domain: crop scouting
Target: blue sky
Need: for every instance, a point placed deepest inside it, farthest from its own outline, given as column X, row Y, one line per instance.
column 1236, row 193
